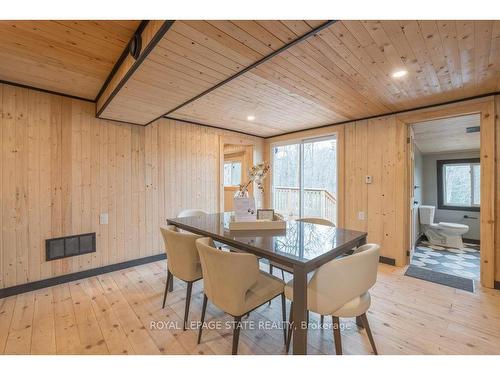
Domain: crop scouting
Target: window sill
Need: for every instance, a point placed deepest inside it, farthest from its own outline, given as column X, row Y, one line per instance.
column 457, row 208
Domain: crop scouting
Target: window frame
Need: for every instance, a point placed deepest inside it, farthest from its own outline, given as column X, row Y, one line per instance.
column 233, row 160
column 440, row 164
column 301, row 142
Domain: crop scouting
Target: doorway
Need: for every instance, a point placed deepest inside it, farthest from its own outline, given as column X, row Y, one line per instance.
column 445, row 204
column 485, row 107
column 237, row 160
column 304, row 178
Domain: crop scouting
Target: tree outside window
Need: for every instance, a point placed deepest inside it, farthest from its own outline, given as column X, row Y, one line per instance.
column 459, row 184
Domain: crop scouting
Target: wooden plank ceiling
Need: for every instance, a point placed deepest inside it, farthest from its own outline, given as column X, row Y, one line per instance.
column 70, row 57
column 345, row 72
column 194, row 56
column 449, row 134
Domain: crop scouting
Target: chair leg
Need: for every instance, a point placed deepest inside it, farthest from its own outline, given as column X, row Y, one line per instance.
column 290, row 328
column 171, row 283
column 364, row 319
column 188, row 300
column 271, row 268
column 322, row 320
column 166, row 288
column 336, row 335
column 202, row 320
column 359, row 322
column 236, row 334
column 283, row 312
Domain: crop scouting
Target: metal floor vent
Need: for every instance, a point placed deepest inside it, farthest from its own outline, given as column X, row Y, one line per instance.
column 63, row 247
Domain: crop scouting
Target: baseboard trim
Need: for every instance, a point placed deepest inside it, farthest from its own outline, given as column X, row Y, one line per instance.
column 469, row 240
column 46, row 283
column 35, row 285
column 386, row 260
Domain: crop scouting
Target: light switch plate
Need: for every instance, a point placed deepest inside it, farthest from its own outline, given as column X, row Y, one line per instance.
column 361, row 215
column 103, row 218
column 368, row 179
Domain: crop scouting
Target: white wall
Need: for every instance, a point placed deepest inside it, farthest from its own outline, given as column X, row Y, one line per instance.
column 429, row 192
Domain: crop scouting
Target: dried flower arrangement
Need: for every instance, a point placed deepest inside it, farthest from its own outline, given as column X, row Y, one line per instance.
column 256, row 174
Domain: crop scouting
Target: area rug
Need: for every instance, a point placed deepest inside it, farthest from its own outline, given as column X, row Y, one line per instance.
column 440, row 278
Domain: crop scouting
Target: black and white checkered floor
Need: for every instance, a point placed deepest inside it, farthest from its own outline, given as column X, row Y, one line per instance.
column 459, row 262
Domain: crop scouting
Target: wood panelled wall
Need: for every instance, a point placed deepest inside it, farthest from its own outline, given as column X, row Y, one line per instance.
column 371, row 147
column 377, row 147
column 60, row 167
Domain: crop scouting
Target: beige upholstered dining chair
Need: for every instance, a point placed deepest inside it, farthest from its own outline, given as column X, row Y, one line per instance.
column 340, row 288
column 183, row 261
column 362, row 248
column 192, row 212
column 234, row 283
column 316, row 220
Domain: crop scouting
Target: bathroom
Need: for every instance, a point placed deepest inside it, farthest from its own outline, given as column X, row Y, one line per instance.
column 445, row 220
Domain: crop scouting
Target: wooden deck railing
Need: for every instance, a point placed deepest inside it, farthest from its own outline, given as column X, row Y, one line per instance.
column 317, row 202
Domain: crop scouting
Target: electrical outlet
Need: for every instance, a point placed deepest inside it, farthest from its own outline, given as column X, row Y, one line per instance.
column 103, row 218
column 361, row 215
column 368, row 179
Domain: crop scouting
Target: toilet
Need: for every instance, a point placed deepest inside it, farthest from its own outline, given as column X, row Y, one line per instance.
column 442, row 234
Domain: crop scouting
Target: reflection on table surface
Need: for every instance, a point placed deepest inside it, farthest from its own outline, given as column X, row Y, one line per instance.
column 300, row 241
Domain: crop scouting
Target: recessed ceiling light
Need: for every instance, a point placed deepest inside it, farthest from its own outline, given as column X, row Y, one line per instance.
column 250, row 118
column 399, row 73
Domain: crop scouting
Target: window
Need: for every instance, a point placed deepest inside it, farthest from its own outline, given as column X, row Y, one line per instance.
column 232, row 173
column 459, row 184
column 304, row 178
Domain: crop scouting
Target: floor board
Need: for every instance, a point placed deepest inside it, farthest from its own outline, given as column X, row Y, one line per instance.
column 119, row 313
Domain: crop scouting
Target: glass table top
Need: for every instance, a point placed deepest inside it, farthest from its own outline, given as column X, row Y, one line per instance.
column 299, row 243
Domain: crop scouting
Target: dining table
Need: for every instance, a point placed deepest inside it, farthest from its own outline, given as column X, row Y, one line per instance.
column 301, row 247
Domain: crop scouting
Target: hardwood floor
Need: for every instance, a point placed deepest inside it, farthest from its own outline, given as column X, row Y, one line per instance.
column 120, row 313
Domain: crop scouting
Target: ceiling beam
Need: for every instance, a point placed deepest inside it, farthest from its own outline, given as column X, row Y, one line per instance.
column 151, row 34
column 250, row 67
column 210, row 126
column 120, row 60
